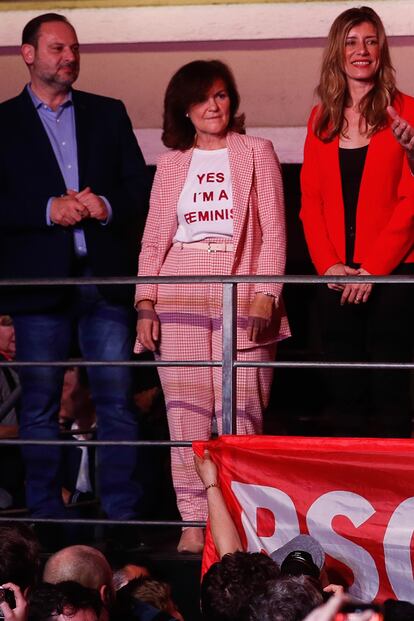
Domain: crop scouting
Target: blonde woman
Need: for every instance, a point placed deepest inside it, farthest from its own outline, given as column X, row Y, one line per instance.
column 358, row 217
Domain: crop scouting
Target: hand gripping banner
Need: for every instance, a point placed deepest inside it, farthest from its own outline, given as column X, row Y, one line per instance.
column 355, row 496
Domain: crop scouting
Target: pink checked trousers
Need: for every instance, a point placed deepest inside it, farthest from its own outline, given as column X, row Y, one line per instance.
column 191, row 320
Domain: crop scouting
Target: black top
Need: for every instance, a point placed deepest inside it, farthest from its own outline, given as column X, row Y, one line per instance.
column 351, row 163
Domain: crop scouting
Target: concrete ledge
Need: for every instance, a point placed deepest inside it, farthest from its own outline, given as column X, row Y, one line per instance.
column 201, row 22
column 288, row 142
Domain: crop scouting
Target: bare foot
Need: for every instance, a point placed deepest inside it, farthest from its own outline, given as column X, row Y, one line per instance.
column 192, row 541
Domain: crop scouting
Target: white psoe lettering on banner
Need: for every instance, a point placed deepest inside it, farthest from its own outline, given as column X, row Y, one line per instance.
column 358, row 510
column 319, row 517
column 397, row 550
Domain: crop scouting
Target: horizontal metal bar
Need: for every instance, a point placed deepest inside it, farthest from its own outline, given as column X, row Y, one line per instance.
column 110, row 363
column 285, row 279
column 275, row 278
column 19, row 442
column 104, row 522
column 328, row 365
column 284, row 364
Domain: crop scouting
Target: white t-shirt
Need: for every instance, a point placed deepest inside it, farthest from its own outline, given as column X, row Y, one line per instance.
column 205, row 206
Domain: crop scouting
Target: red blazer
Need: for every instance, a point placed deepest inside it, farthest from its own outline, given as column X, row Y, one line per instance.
column 385, row 210
column 259, row 238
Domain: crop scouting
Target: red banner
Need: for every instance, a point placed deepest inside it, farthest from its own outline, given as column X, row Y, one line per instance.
column 355, row 496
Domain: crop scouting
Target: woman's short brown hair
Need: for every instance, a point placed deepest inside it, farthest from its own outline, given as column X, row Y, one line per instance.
column 190, row 85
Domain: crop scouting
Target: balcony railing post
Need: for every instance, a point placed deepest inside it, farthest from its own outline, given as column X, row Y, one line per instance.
column 229, row 373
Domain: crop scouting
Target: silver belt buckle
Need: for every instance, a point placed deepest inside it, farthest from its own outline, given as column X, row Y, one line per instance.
column 209, row 248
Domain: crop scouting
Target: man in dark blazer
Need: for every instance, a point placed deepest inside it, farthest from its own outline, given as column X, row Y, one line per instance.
column 73, row 190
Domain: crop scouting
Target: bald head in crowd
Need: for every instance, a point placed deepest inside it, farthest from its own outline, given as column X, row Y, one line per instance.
column 81, row 564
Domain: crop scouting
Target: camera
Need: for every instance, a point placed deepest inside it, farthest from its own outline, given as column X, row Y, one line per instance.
column 299, row 563
column 7, row 595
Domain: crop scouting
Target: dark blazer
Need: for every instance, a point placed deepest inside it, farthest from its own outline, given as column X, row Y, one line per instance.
column 110, row 162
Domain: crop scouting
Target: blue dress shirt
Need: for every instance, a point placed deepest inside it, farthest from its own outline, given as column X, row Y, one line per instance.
column 60, row 127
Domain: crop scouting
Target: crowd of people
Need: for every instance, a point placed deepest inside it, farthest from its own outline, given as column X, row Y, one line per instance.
column 78, row 583
column 73, row 196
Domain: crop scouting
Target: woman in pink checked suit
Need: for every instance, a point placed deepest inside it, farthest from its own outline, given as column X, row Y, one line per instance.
column 216, row 208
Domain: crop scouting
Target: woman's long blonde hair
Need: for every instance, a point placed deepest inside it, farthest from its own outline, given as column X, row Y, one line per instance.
column 332, row 89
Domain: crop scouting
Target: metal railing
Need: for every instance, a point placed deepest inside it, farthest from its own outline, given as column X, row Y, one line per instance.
column 229, row 362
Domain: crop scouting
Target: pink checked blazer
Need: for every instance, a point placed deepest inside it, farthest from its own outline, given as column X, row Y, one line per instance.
column 259, row 240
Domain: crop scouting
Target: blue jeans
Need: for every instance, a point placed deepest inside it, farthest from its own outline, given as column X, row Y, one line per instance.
column 105, row 332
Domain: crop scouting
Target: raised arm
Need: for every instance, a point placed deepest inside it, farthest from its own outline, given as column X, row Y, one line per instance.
column 404, row 134
column 223, row 530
